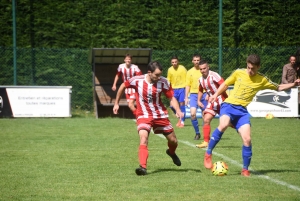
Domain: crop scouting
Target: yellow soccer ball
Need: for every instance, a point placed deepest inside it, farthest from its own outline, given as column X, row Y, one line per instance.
column 269, row 116
column 219, row 168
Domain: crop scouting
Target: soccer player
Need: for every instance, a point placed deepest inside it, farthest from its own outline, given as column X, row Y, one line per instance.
column 192, row 88
column 247, row 82
column 127, row 70
column 151, row 113
column 209, row 82
column 176, row 76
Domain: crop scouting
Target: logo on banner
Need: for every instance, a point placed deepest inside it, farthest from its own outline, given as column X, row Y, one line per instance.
column 273, row 98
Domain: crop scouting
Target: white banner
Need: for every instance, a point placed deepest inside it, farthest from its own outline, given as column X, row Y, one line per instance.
column 40, row 102
column 279, row 104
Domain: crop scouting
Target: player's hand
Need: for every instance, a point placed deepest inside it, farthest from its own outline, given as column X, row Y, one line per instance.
column 115, row 109
column 212, row 99
column 297, row 82
column 186, row 101
column 200, row 104
column 114, row 88
column 179, row 114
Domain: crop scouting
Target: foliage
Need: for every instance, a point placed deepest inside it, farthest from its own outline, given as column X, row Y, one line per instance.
column 164, row 25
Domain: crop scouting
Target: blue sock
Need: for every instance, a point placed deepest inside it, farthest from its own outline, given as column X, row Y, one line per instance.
column 247, row 154
column 215, row 138
column 182, row 108
column 196, row 126
column 173, row 109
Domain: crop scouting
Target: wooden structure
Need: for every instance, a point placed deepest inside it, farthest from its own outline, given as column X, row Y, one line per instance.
column 105, row 62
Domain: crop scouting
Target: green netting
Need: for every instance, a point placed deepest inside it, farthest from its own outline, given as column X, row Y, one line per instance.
column 70, row 67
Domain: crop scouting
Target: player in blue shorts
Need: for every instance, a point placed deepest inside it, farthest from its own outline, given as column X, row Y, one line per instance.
column 176, row 76
column 247, row 82
column 192, row 88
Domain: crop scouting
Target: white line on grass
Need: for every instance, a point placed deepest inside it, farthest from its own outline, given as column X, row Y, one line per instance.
column 240, row 165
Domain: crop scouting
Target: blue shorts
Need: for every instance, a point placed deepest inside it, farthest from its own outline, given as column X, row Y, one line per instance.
column 238, row 114
column 179, row 94
column 194, row 100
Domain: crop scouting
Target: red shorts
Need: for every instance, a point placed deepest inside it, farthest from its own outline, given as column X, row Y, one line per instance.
column 130, row 97
column 161, row 125
column 130, row 94
column 212, row 108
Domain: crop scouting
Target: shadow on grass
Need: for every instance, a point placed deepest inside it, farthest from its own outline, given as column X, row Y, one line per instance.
column 173, row 170
column 263, row 172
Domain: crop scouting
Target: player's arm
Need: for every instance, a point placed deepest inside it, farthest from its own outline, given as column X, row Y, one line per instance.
column 187, row 91
column 283, row 78
column 175, row 105
column 114, row 87
column 118, row 97
column 200, row 94
column 283, row 87
column 222, row 88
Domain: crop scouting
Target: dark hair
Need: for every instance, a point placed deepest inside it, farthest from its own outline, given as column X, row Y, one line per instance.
column 253, row 59
column 128, row 55
column 174, row 57
column 154, row 65
column 197, row 55
column 202, row 61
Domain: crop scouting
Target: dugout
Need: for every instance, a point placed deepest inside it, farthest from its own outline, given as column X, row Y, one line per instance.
column 105, row 62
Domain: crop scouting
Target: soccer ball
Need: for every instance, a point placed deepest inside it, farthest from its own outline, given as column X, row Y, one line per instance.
column 219, row 168
column 269, row 116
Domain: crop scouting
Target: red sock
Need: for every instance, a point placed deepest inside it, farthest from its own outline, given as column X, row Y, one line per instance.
column 172, row 147
column 206, row 133
column 143, row 155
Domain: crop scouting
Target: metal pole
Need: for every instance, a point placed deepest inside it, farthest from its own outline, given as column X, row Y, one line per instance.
column 220, row 37
column 14, row 40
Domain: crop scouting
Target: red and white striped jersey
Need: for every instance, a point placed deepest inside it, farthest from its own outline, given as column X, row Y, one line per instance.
column 127, row 73
column 211, row 84
column 148, row 96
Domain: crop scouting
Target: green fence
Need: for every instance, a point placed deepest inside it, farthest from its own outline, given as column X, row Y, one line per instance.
column 70, row 67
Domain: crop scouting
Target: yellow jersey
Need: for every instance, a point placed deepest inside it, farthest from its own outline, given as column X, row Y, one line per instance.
column 192, row 77
column 177, row 76
column 245, row 86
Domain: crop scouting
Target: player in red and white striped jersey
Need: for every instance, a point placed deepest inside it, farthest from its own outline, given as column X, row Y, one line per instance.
column 209, row 82
column 127, row 71
column 151, row 113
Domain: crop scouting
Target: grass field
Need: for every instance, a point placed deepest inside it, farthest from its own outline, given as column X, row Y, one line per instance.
column 83, row 158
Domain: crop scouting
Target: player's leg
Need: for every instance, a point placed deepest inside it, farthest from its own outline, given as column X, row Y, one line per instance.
column 164, row 126
column 245, row 133
column 207, row 118
column 182, row 105
column 193, row 110
column 224, row 121
column 244, row 128
column 144, row 128
column 226, row 113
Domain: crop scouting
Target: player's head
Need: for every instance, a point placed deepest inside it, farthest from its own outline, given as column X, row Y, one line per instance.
column 292, row 59
column 154, row 71
column 174, row 61
column 204, row 68
column 196, row 59
column 127, row 59
column 253, row 64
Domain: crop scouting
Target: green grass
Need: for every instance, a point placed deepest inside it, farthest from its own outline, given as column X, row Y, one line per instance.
column 83, row 158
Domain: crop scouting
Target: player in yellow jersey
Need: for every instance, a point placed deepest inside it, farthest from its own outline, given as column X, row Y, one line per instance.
column 192, row 88
column 247, row 82
column 176, row 76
